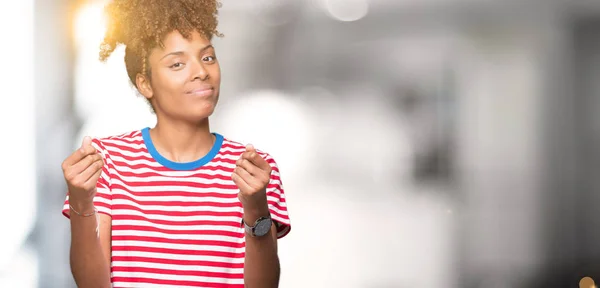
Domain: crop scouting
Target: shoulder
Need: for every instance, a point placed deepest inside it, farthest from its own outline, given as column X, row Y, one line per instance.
column 124, row 141
column 236, row 148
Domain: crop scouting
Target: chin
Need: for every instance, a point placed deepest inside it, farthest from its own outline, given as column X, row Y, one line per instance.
column 201, row 113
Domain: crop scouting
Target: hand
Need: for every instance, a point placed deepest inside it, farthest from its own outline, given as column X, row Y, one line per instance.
column 251, row 175
column 81, row 171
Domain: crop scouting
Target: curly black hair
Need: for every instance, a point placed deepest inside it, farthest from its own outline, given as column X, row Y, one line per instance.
column 141, row 25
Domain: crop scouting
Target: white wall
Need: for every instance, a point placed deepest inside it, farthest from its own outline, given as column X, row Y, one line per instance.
column 499, row 148
column 17, row 120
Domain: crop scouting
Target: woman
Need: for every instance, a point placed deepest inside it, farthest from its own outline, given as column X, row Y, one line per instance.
column 175, row 205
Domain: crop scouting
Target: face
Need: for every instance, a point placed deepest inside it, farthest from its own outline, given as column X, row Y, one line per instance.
column 185, row 78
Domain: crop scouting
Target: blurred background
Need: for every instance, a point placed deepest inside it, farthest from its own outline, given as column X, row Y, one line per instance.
column 422, row 143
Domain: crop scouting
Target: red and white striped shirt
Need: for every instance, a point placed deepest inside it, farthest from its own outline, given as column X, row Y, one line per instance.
column 176, row 224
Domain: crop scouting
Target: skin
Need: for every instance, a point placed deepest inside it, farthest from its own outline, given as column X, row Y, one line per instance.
column 182, row 134
column 90, row 254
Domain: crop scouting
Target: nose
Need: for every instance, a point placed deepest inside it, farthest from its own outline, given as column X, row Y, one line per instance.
column 199, row 72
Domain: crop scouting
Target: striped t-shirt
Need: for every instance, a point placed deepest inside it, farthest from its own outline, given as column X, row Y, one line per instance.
column 176, row 224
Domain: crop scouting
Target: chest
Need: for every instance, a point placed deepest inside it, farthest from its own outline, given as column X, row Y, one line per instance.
column 176, row 215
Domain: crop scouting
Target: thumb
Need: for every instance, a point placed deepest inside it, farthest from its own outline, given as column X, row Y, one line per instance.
column 250, row 147
column 87, row 141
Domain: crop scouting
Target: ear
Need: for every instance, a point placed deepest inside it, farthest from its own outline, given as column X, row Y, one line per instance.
column 143, row 84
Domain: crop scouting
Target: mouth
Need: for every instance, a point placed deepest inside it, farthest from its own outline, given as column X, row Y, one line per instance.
column 201, row 91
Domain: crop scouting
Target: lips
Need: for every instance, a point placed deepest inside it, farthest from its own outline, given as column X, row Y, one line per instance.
column 201, row 91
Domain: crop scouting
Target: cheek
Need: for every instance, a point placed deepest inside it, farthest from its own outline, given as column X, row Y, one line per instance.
column 215, row 74
column 170, row 86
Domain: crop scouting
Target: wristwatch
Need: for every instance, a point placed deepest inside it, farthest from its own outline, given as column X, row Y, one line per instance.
column 261, row 227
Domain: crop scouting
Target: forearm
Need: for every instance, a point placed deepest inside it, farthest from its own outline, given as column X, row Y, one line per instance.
column 89, row 265
column 261, row 265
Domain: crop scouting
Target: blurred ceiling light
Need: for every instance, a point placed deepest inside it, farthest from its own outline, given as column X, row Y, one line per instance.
column 93, row 96
column 90, row 24
column 346, row 10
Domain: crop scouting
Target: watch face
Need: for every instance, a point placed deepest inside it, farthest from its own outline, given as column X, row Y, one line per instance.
column 262, row 227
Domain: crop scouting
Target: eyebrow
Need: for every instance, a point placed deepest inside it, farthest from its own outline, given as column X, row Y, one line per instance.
column 179, row 53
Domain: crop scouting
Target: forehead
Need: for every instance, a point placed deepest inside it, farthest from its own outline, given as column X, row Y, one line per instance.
column 175, row 41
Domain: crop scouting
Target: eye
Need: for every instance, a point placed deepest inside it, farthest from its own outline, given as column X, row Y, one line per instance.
column 209, row 58
column 177, row 65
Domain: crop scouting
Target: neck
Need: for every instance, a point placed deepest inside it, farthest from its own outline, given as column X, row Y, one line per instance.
column 182, row 142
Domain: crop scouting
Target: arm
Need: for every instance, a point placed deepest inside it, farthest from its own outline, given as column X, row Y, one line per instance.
column 252, row 175
column 85, row 174
column 90, row 255
column 261, row 266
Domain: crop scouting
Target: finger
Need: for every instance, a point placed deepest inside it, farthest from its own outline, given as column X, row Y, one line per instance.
column 250, row 148
column 78, row 155
column 256, row 159
column 87, row 141
column 93, row 180
column 239, row 182
column 91, row 170
column 252, row 181
column 249, row 166
column 79, row 180
column 83, row 164
column 260, row 175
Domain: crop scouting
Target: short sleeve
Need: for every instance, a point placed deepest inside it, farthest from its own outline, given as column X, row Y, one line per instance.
column 103, row 198
column 276, row 200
